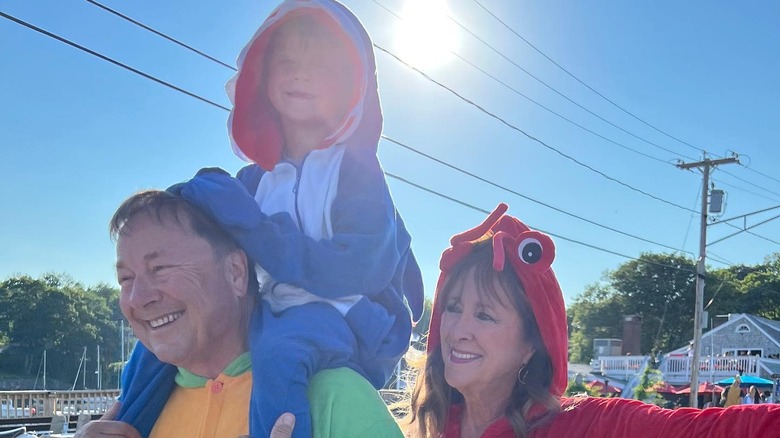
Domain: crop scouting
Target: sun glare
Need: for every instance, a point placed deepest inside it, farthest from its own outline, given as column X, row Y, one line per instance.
column 426, row 36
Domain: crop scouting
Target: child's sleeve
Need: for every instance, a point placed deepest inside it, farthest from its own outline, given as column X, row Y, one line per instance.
column 361, row 258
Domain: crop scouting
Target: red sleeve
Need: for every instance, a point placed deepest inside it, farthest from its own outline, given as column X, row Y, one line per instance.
column 601, row 417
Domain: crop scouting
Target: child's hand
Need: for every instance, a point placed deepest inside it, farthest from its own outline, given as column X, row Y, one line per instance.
column 223, row 197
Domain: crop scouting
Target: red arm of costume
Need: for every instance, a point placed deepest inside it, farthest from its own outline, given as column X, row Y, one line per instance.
column 601, row 417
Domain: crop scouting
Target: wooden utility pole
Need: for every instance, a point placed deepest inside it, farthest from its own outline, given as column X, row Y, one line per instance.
column 705, row 166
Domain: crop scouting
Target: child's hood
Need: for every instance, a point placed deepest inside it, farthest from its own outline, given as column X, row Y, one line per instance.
column 254, row 132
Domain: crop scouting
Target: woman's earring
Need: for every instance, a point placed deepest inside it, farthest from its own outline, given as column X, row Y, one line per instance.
column 522, row 374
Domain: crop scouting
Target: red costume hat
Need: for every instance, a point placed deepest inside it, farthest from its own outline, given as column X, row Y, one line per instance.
column 530, row 253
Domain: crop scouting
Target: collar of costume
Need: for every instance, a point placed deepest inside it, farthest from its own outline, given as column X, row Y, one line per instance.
column 238, row 366
column 530, row 254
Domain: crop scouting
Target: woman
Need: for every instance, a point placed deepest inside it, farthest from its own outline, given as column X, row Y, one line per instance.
column 752, row 397
column 496, row 357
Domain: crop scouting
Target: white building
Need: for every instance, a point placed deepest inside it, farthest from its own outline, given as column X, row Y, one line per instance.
column 746, row 344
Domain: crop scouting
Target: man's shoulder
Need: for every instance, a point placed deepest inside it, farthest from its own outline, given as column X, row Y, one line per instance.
column 344, row 404
column 343, row 386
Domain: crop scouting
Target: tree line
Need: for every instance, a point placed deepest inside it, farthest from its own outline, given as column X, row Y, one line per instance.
column 61, row 316
column 661, row 288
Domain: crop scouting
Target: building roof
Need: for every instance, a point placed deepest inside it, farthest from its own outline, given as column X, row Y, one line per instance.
column 771, row 327
column 767, row 326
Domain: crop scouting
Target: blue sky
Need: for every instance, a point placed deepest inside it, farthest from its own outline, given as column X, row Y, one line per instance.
column 78, row 135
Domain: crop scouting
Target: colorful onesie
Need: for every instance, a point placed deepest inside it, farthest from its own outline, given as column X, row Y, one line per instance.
column 334, row 262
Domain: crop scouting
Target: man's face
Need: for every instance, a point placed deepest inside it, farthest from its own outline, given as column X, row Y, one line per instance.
column 310, row 80
column 182, row 301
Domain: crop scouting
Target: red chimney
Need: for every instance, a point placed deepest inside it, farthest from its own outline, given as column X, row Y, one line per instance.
column 632, row 334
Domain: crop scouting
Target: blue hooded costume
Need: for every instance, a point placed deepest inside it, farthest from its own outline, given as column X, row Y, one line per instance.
column 323, row 231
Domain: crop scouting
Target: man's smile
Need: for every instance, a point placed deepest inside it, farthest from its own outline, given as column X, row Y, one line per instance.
column 166, row 319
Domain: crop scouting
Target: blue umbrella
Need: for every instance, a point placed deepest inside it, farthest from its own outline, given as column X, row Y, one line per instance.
column 746, row 381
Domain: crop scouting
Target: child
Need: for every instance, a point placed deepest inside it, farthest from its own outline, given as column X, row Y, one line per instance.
column 334, row 264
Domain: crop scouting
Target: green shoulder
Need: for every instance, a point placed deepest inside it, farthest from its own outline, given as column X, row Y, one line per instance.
column 345, row 405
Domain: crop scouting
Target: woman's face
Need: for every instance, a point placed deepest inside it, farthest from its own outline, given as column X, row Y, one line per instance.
column 482, row 341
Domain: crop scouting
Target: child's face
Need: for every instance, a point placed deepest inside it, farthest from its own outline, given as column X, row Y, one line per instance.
column 310, row 80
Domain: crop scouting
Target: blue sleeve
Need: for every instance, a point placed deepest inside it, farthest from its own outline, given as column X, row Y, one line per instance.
column 146, row 385
column 361, row 258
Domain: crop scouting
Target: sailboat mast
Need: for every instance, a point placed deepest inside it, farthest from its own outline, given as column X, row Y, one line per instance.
column 84, row 375
column 98, row 368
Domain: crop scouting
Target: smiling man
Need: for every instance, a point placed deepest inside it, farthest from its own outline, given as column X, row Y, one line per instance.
column 183, row 284
column 189, row 292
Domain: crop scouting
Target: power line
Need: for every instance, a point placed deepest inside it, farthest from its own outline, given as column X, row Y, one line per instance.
column 747, row 229
column 714, row 257
column 396, row 177
column 515, row 128
column 145, row 75
column 112, row 61
column 732, row 225
column 747, row 166
column 432, row 80
column 760, row 173
column 578, row 242
column 514, row 90
column 743, row 216
column 582, row 82
column 748, row 182
column 752, row 233
column 721, row 182
column 465, row 204
column 553, row 89
column 391, row 12
column 387, row 138
column 518, row 66
column 158, row 33
column 150, row 77
column 508, row 190
column 727, row 221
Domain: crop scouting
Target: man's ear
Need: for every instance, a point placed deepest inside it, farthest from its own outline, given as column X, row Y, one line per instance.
column 237, row 271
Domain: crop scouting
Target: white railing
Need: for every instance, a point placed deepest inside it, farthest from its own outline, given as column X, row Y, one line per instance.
column 677, row 369
column 22, row 404
column 623, row 367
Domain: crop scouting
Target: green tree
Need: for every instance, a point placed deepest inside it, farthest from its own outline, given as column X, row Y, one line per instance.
column 661, row 288
column 575, row 388
column 645, row 390
column 746, row 289
column 596, row 313
column 56, row 314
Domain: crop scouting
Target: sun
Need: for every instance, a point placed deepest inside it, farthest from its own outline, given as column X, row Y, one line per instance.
column 426, row 36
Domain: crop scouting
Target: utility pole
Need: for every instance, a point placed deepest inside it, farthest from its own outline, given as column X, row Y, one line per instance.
column 705, row 166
